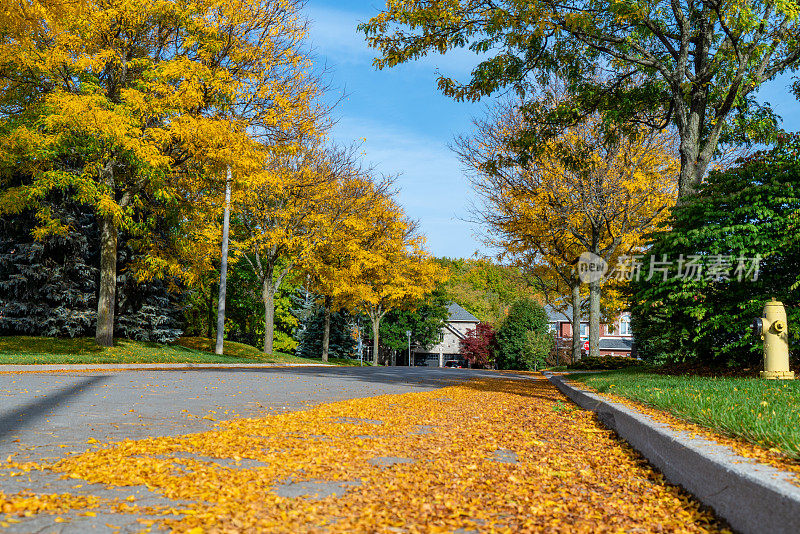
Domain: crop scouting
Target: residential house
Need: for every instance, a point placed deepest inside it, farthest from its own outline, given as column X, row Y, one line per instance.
column 455, row 329
column 616, row 339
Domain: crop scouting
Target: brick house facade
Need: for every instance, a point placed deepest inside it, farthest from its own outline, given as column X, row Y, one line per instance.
column 616, row 339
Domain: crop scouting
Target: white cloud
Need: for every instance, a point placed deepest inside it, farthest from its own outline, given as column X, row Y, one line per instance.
column 333, row 34
column 433, row 188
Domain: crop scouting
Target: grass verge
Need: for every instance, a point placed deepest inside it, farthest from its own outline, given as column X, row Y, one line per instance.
column 763, row 412
column 43, row 350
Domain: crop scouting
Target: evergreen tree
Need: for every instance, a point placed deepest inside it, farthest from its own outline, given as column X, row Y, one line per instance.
column 49, row 287
column 311, row 315
column 146, row 311
column 303, row 309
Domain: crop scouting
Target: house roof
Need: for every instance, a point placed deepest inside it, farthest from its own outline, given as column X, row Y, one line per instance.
column 457, row 313
column 555, row 316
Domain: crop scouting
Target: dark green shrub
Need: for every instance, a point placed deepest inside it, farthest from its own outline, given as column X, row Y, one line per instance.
column 605, row 363
column 523, row 340
column 747, row 211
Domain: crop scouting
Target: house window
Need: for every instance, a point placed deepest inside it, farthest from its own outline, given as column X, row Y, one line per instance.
column 625, row 326
column 584, row 330
column 441, row 337
column 551, row 327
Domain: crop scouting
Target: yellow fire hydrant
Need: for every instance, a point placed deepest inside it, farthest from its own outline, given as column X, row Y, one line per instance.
column 775, row 333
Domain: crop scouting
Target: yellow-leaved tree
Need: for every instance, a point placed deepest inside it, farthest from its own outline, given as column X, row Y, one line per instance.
column 333, row 267
column 132, row 106
column 378, row 263
column 294, row 208
column 395, row 278
column 583, row 191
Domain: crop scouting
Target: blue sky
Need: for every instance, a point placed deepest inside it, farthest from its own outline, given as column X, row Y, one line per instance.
column 406, row 124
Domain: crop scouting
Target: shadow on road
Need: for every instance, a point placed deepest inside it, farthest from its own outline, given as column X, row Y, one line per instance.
column 430, row 377
column 435, row 377
column 31, row 412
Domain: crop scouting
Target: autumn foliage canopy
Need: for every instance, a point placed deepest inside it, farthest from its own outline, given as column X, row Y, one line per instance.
column 145, row 111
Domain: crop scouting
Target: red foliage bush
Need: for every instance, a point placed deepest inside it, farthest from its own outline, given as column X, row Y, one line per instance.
column 477, row 347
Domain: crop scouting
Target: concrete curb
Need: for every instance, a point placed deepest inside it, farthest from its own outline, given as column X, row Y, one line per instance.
column 752, row 497
column 11, row 368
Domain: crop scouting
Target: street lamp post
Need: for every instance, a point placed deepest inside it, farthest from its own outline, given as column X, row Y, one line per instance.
column 408, row 334
column 360, row 342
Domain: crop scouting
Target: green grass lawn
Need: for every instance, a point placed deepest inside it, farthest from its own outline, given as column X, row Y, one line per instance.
column 42, row 350
column 765, row 412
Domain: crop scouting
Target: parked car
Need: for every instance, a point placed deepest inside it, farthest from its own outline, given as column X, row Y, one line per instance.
column 454, row 364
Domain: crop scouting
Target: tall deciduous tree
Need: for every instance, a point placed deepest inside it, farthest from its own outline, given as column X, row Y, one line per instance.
column 367, row 216
column 121, row 103
column 392, row 280
column 375, row 264
column 296, row 207
column 697, row 63
column 582, row 191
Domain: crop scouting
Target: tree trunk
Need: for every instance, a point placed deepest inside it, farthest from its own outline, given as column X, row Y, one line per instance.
column 594, row 319
column 694, row 161
column 688, row 180
column 326, row 329
column 576, row 321
column 223, row 269
column 268, row 296
column 376, row 325
column 104, row 333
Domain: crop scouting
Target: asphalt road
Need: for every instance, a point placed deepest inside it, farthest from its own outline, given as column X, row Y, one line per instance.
column 50, row 415
column 43, row 415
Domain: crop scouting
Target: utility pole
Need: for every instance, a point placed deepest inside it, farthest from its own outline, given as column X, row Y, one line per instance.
column 408, row 334
column 223, row 269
